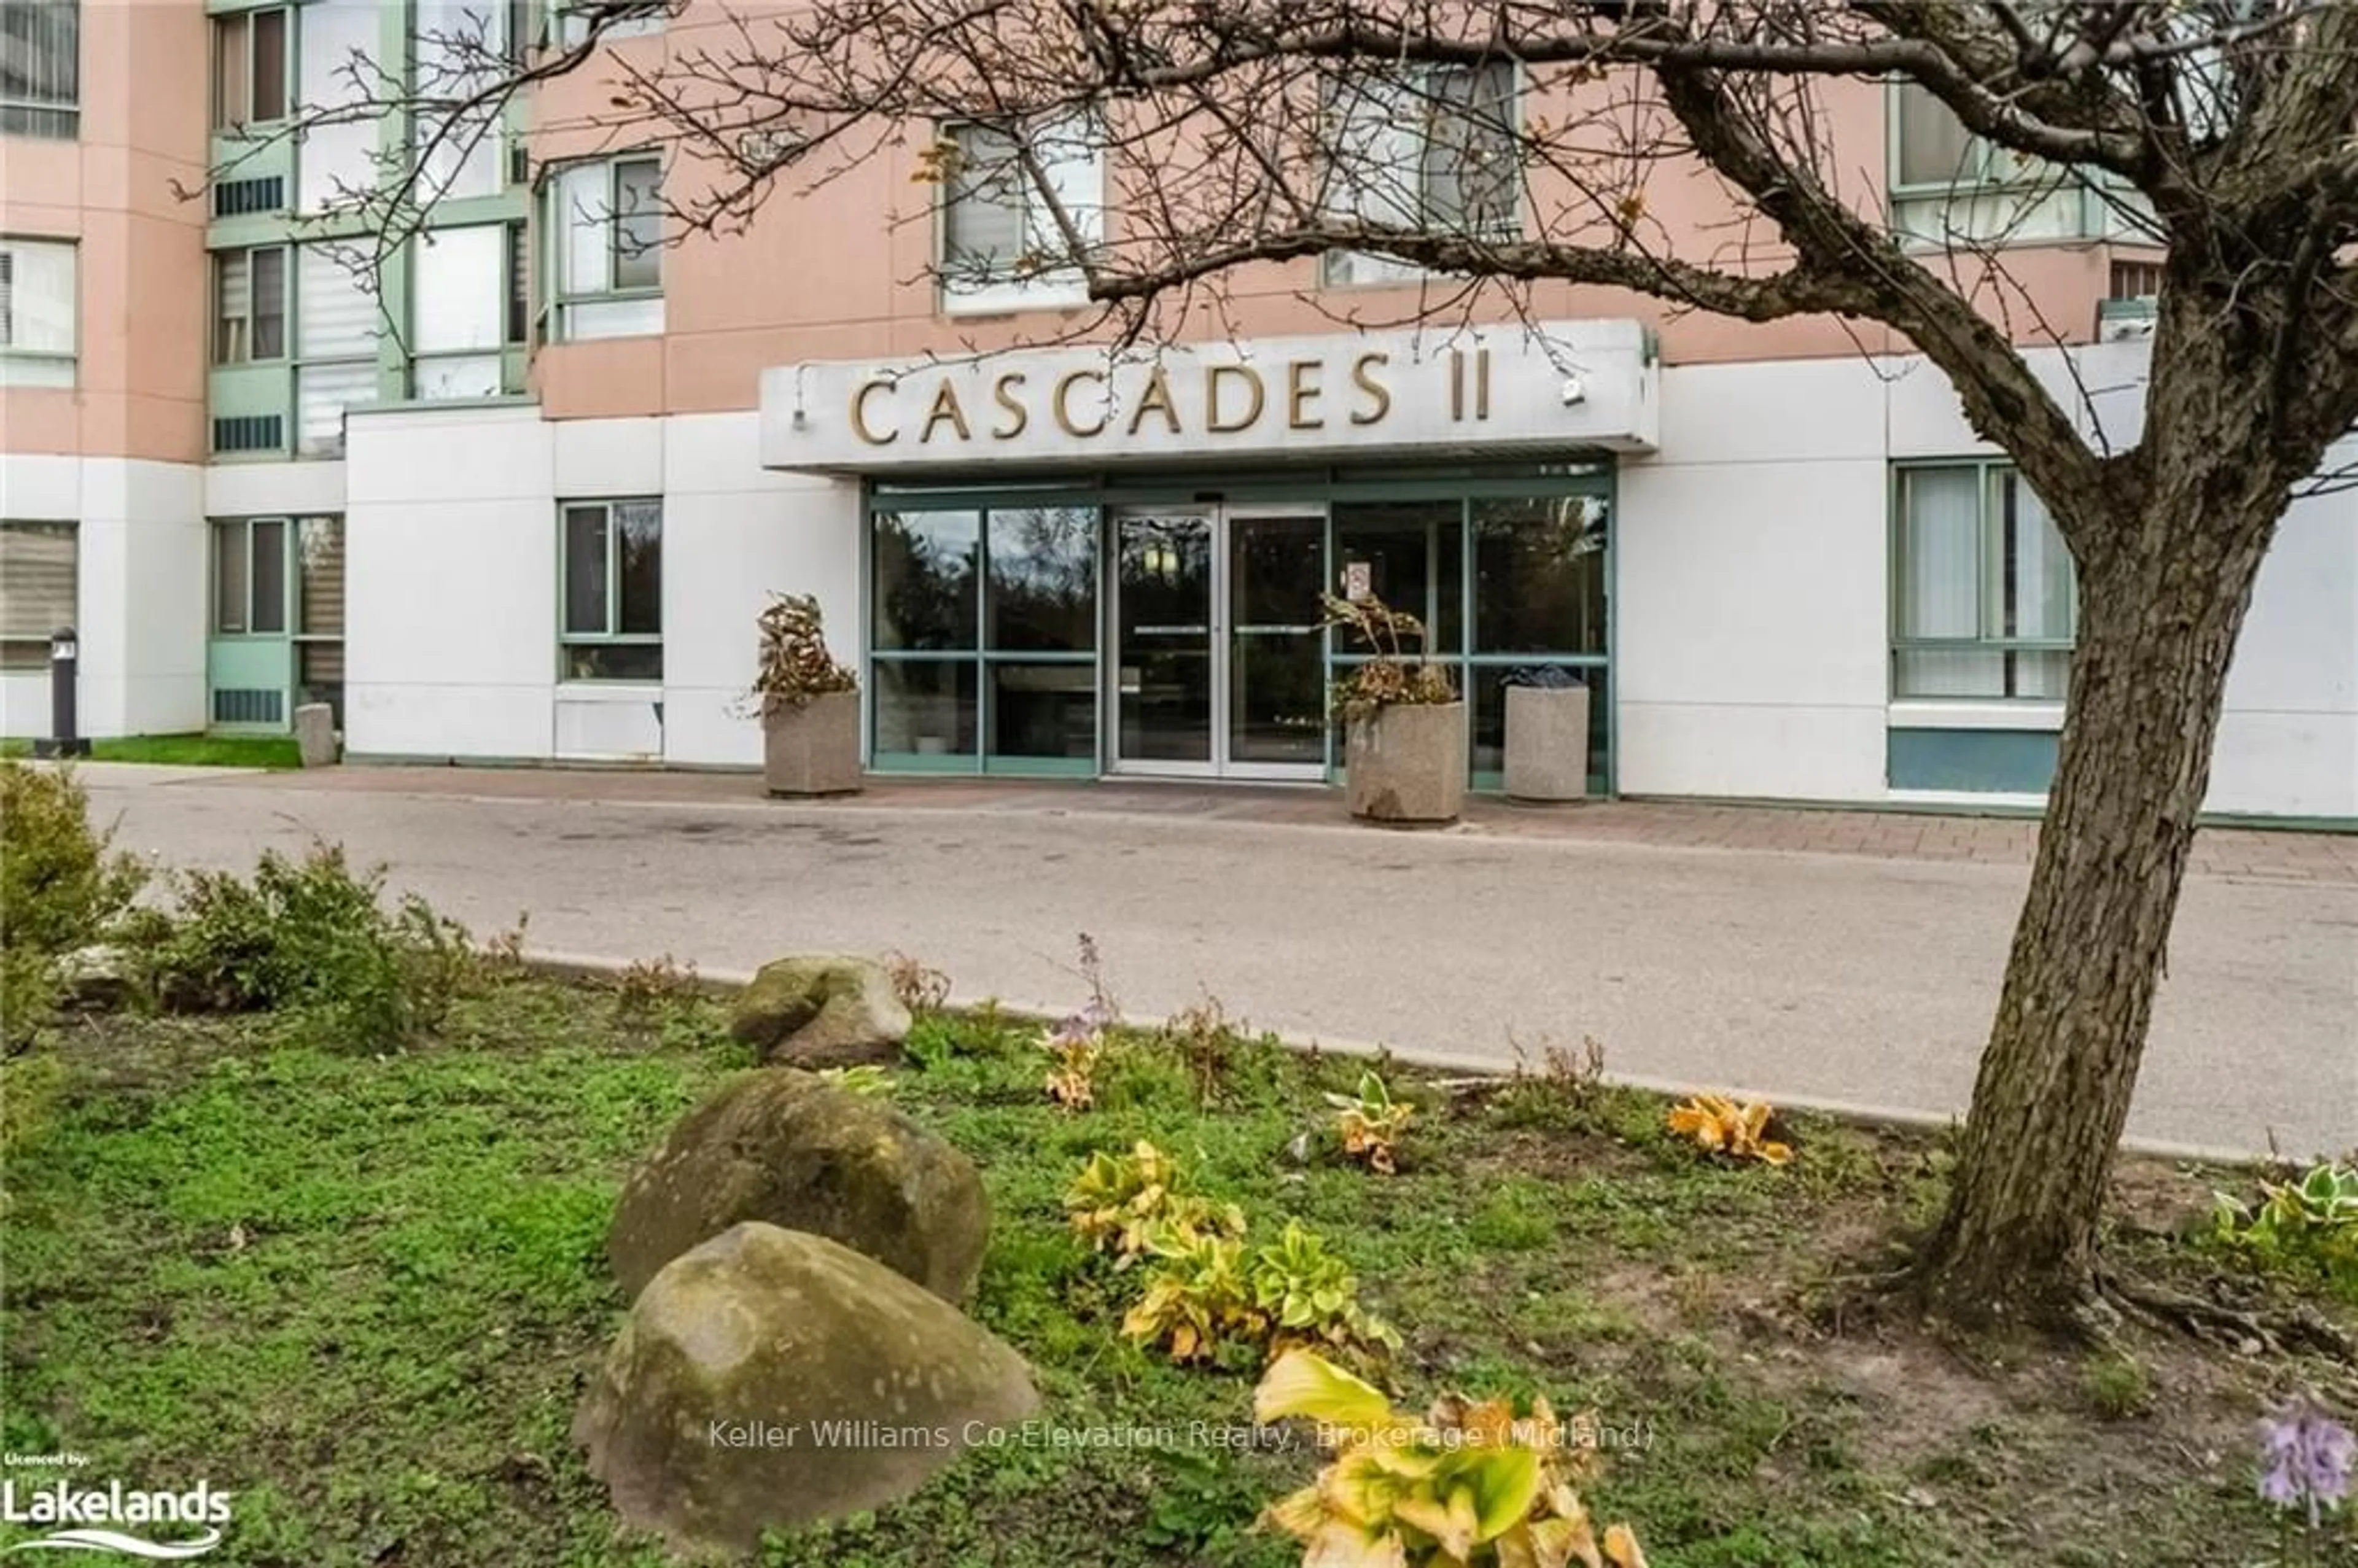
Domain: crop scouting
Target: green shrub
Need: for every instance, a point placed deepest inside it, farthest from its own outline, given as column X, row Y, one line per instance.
column 62, row 886
column 29, row 1085
column 314, row 937
column 60, row 883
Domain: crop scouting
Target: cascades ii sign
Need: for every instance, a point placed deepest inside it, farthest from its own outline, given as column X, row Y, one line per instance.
column 1561, row 386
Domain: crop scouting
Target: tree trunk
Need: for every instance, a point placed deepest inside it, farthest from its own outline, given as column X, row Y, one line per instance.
column 2161, row 601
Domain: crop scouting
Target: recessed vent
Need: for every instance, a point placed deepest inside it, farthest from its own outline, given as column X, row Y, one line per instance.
column 234, row 704
column 249, row 433
column 237, row 197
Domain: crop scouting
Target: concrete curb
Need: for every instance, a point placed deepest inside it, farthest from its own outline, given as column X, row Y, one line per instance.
column 723, row 982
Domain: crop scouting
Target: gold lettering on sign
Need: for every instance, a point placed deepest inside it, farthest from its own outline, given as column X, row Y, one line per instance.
column 860, row 414
column 1379, row 398
column 1057, row 403
column 1302, row 390
column 1211, row 379
column 945, row 406
column 1156, row 398
column 1481, row 384
column 1002, row 392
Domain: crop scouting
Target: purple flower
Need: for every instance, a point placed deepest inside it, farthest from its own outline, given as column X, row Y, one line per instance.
column 1083, row 1026
column 2306, row 1456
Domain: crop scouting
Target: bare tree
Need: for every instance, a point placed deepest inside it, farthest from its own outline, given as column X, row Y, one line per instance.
column 1243, row 133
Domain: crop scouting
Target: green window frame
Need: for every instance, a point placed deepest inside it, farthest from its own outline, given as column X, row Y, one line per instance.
column 1984, row 602
column 252, row 67
column 252, row 290
column 610, row 600
column 615, row 205
column 978, row 660
column 252, row 587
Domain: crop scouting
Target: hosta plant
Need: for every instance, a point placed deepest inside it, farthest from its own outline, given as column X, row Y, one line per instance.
column 1718, row 1125
column 1369, row 1123
column 1311, row 1298
column 2313, row 1222
column 866, row 1078
column 1469, row 1486
column 1198, row 1298
column 1120, row 1202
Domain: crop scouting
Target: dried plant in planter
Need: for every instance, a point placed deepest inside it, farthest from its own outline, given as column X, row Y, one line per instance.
column 796, row 665
column 1390, row 674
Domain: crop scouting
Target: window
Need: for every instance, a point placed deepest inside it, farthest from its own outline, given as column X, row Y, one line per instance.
column 36, row 313
column 319, row 612
column 1949, row 186
column 612, row 617
column 572, row 22
column 41, row 68
column 1002, row 248
column 460, row 52
column 38, row 577
column 1432, row 151
column 606, row 262
column 459, row 308
column 984, row 631
column 249, row 305
column 1985, row 598
column 337, row 327
column 250, row 68
column 519, row 321
column 250, row 577
column 336, row 162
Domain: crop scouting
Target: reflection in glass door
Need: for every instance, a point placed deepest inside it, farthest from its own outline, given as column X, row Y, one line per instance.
column 1276, row 686
column 1219, row 659
column 1162, row 643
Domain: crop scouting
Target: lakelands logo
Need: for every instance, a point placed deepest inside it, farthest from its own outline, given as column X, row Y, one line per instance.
column 110, row 1519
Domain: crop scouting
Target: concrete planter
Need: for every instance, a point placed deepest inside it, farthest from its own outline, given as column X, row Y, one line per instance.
column 812, row 748
column 1406, row 762
column 1547, row 742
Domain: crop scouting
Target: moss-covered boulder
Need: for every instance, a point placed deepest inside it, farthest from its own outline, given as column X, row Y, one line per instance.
column 792, row 1150
column 821, row 1010
column 771, row 1378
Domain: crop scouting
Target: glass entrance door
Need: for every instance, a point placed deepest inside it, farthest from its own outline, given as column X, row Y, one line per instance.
column 1218, row 666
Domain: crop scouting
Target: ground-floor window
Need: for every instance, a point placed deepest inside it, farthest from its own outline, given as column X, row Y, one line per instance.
column 39, row 574
column 611, row 619
column 983, row 636
column 1985, row 598
column 277, row 615
column 1147, row 633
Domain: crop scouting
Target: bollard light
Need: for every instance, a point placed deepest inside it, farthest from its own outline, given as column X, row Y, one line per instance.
column 65, row 658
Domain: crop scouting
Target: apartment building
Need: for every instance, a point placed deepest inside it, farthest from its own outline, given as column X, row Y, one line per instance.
column 523, row 503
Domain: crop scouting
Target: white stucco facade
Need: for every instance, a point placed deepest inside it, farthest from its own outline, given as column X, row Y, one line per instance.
column 1751, row 573
column 140, row 552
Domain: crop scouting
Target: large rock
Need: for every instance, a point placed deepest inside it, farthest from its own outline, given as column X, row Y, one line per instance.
column 821, row 1010
column 792, row 1150
column 315, row 735
column 95, row 978
column 771, row 1378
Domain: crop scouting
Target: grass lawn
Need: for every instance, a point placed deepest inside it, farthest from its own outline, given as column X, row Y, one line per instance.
column 362, row 1295
column 185, row 750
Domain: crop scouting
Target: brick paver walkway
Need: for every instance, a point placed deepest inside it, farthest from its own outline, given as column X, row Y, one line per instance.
column 2237, row 852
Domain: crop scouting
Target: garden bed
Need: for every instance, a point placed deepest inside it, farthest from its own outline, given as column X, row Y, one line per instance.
column 361, row 1294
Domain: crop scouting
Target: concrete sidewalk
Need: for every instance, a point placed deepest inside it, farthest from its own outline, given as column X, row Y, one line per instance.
column 1832, row 957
